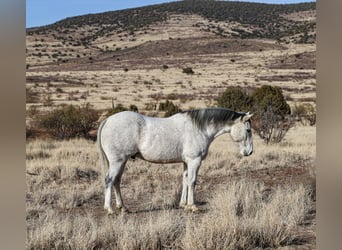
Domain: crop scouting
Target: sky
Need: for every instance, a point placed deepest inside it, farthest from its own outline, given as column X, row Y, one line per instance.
column 43, row 12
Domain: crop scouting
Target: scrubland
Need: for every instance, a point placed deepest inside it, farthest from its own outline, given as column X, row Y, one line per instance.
column 266, row 200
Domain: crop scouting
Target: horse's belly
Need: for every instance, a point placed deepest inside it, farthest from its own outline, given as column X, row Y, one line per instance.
column 162, row 150
column 161, row 156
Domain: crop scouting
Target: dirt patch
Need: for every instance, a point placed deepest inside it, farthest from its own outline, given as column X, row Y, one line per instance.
column 154, row 54
column 306, row 60
column 50, row 79
column 297, row 76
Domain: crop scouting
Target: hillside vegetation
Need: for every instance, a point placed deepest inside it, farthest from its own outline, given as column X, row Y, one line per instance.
column 266, row 20
column 89, row 35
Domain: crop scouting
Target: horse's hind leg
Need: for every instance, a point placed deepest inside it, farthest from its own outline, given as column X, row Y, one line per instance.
column 113, row 178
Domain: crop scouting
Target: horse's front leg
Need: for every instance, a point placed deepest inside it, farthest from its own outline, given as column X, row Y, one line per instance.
column 193, row 167
column 184, row 196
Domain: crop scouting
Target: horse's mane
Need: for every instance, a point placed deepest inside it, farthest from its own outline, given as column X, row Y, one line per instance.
column 202, row 117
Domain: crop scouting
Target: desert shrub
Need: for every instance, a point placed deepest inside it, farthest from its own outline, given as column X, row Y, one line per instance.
column 117, row 109
column 59, row 90
column 169, row 107
column 68, row 122
column 120, row 108
column 134, row 108
column 272, row 120
column 270, row 127
column 150, row 106
column 188, row 71
column 269, row 96
column 31, row 96
column 305, row 113
column 29, row 132
column 32, row 111
column 172, row 96
column 47, row 102
column 235, row 98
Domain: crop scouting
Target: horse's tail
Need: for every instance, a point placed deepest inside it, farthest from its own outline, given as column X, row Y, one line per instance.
column 103, row 156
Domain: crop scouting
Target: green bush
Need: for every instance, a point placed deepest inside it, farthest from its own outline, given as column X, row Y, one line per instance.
column 134, row 108
column 70, row 121
column 271, row 119
column 234, row 98
column 120, row 108
column 117, row 109
column 31, row 96
column 305, row 113
column 188, row 71
column 268, row 96
column 169, row 107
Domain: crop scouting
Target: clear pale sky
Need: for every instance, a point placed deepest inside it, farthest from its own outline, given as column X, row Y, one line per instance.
column 43, row 12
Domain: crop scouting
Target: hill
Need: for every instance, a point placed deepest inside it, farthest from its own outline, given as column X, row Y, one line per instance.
column 87, row 35
column 137, row 55
column 267, row 20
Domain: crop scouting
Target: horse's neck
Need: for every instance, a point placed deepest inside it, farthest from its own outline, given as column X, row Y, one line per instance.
column 213, row 132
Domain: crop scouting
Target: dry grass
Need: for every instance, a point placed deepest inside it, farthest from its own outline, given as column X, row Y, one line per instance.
column 244, row 216
column 241, row 206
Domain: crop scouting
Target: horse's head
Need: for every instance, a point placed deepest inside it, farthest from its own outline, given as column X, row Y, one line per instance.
column 241, row 133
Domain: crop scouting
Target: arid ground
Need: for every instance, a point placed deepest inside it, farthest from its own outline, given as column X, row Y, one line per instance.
column 265, row 201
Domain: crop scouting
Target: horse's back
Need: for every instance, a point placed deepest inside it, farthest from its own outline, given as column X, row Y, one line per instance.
column 126, row 117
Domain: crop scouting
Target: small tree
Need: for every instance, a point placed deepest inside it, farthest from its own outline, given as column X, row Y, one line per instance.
column 236, row 99
column 269, row 96
column 272, row 120
column 271, row 127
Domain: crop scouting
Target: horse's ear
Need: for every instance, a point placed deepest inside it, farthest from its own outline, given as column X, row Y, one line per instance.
column 247, row 117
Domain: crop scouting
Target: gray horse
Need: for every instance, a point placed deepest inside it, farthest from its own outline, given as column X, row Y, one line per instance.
column 184, row 137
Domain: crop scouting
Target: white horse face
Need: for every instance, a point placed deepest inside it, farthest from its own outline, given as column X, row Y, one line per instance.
column 241, row 133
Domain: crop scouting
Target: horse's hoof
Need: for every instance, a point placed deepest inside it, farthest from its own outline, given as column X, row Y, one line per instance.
column 122, row 208
column 192, row 208
column 182, row 205
column 110, row 211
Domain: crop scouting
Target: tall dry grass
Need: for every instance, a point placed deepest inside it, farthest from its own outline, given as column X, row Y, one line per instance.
column 239, row 210
column 242, row 216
